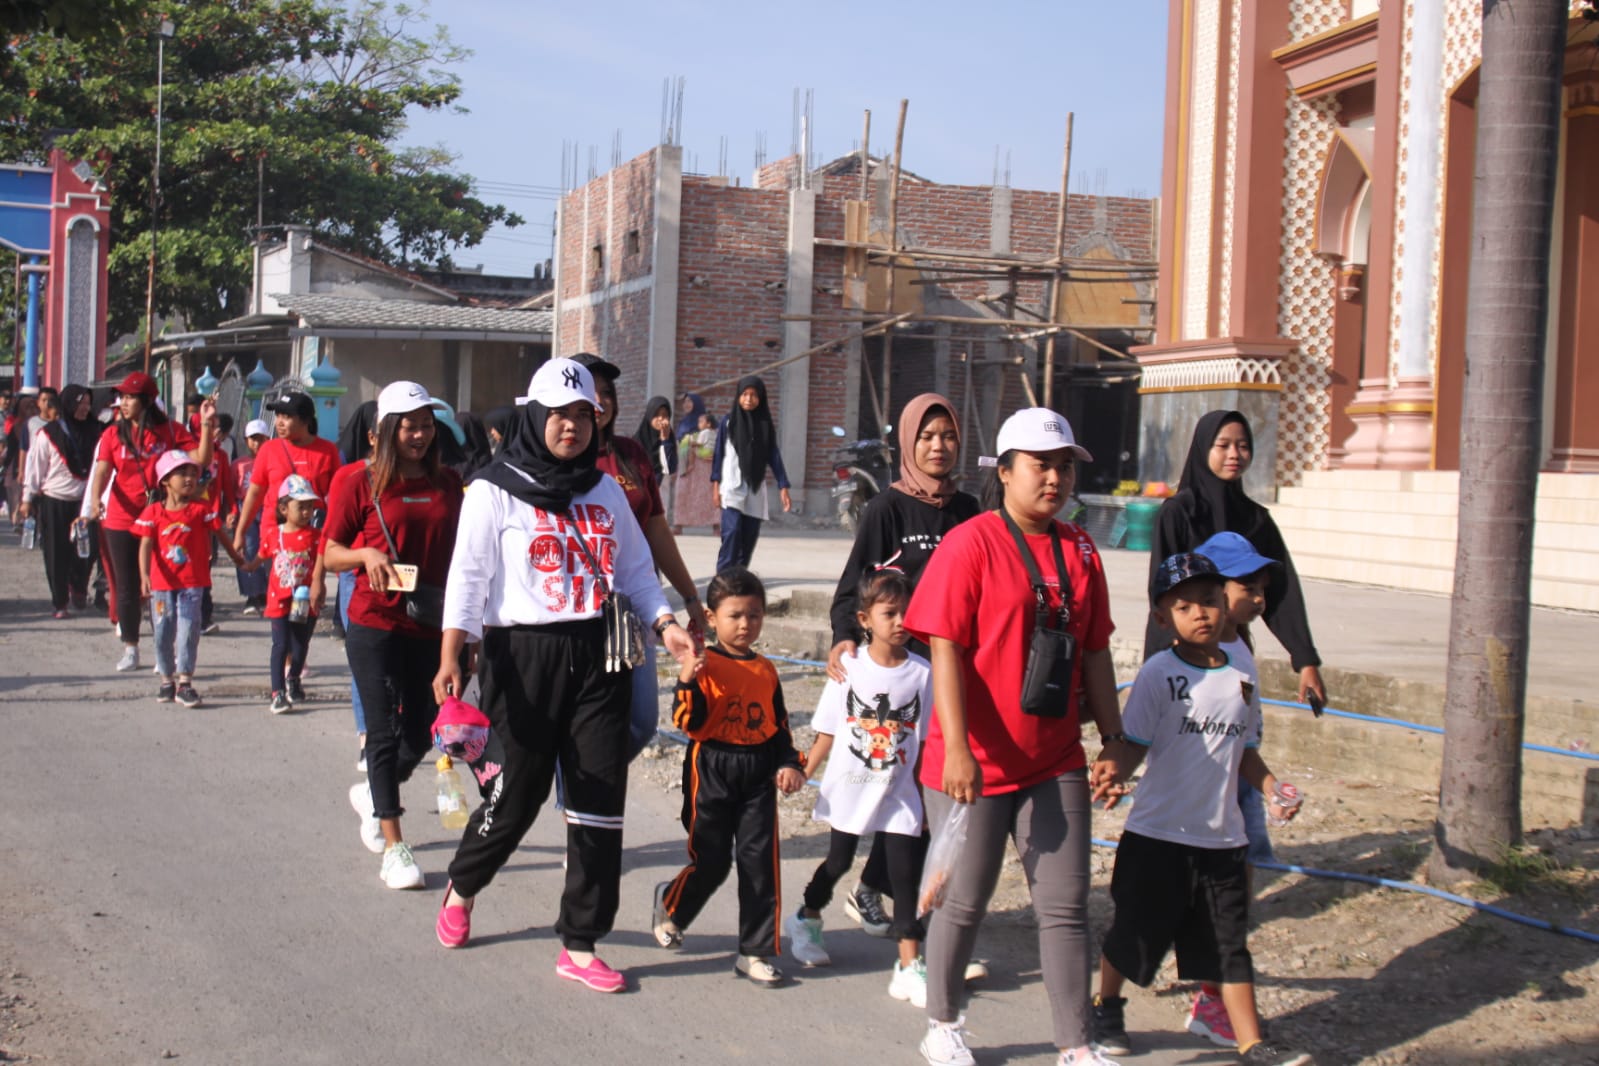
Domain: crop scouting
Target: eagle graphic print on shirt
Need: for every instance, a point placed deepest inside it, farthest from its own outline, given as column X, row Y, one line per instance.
column 878, row 718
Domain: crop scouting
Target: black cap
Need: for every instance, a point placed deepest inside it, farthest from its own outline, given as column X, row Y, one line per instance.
column 1176, row 569
column 597, row 366
column 292, row 402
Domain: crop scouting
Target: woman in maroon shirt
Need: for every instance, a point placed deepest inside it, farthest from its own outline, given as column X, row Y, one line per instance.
column 626, row 461
column 403, row 511
column 126, row 458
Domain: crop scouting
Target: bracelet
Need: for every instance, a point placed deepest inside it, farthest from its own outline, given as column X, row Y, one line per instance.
column 1113, row 738
column 663, row 624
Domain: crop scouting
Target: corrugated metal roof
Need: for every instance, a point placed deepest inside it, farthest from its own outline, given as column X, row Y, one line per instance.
column 343, row 312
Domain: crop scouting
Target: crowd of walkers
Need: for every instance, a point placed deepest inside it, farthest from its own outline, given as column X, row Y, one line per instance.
column 516, row 562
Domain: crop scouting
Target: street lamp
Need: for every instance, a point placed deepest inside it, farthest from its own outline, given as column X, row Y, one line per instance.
column 163, row 35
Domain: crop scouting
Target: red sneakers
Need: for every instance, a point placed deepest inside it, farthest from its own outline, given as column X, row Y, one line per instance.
column 1209, row 1020
column 454, row 925
column 596, row 975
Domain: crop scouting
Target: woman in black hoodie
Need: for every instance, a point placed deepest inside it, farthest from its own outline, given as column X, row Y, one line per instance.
column 1210, row 499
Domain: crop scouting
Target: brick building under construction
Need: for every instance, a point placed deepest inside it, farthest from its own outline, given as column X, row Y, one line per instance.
column 687, row 282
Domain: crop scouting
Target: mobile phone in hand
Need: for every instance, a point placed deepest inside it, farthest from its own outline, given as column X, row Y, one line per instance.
column 1316, row 705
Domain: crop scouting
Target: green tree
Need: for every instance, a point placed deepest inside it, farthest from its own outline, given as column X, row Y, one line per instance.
column 300, row 102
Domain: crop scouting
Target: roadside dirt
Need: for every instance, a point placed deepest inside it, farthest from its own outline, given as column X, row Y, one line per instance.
column 1352, row 972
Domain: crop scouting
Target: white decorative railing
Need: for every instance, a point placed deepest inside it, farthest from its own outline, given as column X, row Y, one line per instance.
column 1222, row 372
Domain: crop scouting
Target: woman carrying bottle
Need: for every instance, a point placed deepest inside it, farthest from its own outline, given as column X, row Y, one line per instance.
column 535, row 528
column 402, row 514
column 52, row 491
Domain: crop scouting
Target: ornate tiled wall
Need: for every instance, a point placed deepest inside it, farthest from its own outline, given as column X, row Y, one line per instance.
column 1224, row 292
column 1203, row 115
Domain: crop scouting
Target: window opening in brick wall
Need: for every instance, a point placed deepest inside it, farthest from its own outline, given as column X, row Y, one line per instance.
column 596, row 259
column 632, row 242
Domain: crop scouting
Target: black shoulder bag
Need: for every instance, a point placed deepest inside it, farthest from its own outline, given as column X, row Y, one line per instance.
column 1046, row 682
column 624, row 631
column 424, row 605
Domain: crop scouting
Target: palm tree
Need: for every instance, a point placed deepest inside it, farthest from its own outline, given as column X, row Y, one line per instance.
column 1518, row 127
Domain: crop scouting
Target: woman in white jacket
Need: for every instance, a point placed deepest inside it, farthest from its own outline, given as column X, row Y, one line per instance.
column 522, row 587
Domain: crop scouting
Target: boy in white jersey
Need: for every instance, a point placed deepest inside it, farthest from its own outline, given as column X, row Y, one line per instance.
column 1180, row 878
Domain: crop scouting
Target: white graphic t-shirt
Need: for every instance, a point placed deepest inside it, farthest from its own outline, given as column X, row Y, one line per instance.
column 877, row 718
column 1197, row 724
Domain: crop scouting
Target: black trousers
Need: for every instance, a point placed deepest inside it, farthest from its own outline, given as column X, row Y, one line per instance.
column 730, row 812
column 902, row 855
column 393, row 671
column 122, row 546
column 65, row 572
column 874, row 875
column 290, row 642
column 546, row 692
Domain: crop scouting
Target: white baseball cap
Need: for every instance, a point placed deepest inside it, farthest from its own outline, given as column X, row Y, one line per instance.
column 560, row 382
column 1038, row 429
column 257, row 428
column 401, row 398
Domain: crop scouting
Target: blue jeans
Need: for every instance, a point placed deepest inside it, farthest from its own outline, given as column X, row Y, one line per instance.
column 175, row 625
column 1253, row 805
column 346, row 587
column 739, row 534
column 252, row 583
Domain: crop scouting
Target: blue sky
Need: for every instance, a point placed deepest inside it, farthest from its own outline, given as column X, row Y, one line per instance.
column 977, row 76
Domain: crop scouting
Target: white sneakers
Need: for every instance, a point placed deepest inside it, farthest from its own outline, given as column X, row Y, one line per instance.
column 399, row 868
column 371, row 828
column 130, row 659
column 805, row 940
column 758, row 970
column 945, row 1044
column 667, row 934
column 909, row 984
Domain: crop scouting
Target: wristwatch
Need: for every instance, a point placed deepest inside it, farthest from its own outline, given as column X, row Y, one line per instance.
column 1113, row 738
column 663, row 623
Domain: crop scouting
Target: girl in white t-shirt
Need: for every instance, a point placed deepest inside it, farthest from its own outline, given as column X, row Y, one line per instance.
column 879, row 713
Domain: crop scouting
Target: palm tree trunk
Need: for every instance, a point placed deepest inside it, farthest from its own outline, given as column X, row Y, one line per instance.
column 1518, row 117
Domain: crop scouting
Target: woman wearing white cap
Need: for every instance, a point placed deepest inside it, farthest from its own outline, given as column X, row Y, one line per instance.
column 403, row 515
column 1011, row 594
column 536, row 525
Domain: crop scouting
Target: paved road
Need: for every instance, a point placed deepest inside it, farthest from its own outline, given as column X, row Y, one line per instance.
column 190, row 881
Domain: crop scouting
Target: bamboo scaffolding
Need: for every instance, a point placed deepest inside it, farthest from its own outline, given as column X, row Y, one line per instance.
column 1060, row 254
column 998, row 259
column 817, row 349
column 893, row 242
column 958, row 320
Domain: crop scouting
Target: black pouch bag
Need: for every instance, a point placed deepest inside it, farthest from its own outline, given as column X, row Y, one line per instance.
column 624, row 630
column 1047, row 678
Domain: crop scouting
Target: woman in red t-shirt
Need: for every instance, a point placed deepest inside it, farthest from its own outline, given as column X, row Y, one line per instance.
column 126, row 458
column 625, row 460
column 295, row 450
column 1022, row 772
column 404, row 514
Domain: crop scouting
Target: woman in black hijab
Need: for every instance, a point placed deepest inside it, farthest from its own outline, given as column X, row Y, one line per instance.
column 522, row 587
column 1210, row 499
column 657, row 438
column 746, row 446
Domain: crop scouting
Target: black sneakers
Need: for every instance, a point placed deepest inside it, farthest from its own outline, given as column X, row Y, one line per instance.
column 167, row 692
column 187, row 696
column 1266, row 1053
column 1110, row 1030
column 866, row 907
column 294, row 690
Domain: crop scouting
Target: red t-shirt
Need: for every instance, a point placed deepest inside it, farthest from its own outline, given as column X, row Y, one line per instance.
column 643, row 496
column 182, row 556
column 976, row 592
column 241, row 479
column 219, row 488
column 315, row 461
column 293, row 557
column 133, row 475
column 340, row 476
column 421, row 517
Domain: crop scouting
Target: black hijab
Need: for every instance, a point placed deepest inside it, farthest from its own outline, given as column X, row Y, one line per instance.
column 652, row 441
column 75, row 438
column 528, row 470
column 355, row 441
column 500, row 420
column 477, row 449
column 1213, row 505
column 752, row 433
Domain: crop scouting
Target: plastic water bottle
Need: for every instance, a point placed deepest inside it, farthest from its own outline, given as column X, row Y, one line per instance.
column 452, row 796
column 80, row 538
column 30, row 533
column 300, row 606
column 1288, row 797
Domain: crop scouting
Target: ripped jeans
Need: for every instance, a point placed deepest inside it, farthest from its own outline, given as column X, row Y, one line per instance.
column 175, row 624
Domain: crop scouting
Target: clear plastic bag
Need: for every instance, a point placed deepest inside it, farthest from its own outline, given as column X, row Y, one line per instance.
column 949, row 842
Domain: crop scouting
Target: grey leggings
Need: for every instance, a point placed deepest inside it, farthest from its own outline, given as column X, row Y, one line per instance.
column 1050, row 825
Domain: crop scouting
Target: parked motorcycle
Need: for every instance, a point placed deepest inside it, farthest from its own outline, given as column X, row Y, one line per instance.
column 861, row 470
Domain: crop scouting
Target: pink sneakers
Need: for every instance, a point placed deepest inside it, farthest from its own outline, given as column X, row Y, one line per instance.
column 454, row 925
column 596, row 975
column 1209, row 1020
